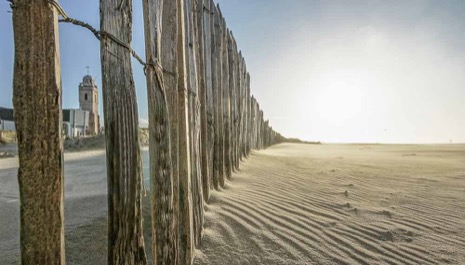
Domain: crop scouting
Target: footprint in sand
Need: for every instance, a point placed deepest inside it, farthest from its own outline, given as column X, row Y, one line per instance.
column 387, row 213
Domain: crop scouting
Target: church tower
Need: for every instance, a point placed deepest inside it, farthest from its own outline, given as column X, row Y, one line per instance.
column 88, row 101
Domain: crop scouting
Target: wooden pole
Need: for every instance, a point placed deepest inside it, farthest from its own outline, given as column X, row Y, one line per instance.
column 38, row 120
column 216, row 70
column 237, row 117
column 220, row 110
column 248, row 123
column 169, row 61
column 209, row 45
column 226, row 104
column 194, row 119
column 186, row 239
column 244, row 109
column 232, row 96
column 203, row 30
column 124, row 164
column 161, row 179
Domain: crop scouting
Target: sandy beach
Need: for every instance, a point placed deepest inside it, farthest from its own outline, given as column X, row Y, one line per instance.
column 289, row 204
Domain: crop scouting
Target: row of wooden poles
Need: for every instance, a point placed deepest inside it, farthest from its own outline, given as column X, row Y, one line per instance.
column 202, row 122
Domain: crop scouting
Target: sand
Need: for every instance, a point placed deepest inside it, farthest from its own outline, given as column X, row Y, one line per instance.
column 291, row 204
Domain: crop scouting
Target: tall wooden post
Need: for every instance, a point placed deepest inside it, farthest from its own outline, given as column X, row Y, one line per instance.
column 216, row 70
column 194, row 119
column 169, row 61
column 186, row 239
column 226, row 104
column 220, row 102
column 209, row 38
column 161, row 179
column 204, row 63
column 124, row 165
column 237, row 117
column 247, row 116
column 232, row 96
column 244, row 109
column 38, row 120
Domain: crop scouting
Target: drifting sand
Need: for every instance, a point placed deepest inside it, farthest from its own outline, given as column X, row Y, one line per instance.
column 290, row 204
column 341, row 204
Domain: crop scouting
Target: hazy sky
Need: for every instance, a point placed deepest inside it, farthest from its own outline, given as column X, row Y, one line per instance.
column 333, row 71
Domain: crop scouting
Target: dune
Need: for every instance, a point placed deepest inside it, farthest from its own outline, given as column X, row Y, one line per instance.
column 289, row 204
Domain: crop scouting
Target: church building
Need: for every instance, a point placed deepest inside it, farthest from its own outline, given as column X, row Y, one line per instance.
column 84, row 121
column 88, row 101
column 81, row 122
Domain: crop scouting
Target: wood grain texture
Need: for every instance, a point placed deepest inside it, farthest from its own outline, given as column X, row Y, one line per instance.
column 216, row 87
column 164, row 249
column 186, row 237
column 191, row 49
column 121, row 119
column 226, row 103
column 37, row 104
column 169, row 61
column 220, row 126
column 202, row 7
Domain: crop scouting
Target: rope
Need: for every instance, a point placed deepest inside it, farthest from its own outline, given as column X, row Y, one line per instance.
column 82, row 24
column 103, row 35
column 98, row 34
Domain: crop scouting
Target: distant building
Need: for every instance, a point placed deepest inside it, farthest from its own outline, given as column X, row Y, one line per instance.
column 88, row 101
column 80, row 122
column 84, row 121
column 7, row 122
column 75, row 123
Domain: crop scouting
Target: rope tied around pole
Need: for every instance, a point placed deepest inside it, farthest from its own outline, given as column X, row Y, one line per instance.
column 104, row 35
column 97, row 33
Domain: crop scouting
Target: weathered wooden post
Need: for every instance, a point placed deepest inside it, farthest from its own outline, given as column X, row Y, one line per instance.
column 221, row 142
column 259, row 129
column 216, row 70
column 232, row 95
column 191, row 49
column 244, row 109
column 161, row 176
column 125, row 236
column 209, row 39
column 253, row 128
column 248, row 124
column 37, row 104
column 226, row 103
column 186, row 239
column 237, row 107
column 169, row 61
column 204, row 63
column 240, row 104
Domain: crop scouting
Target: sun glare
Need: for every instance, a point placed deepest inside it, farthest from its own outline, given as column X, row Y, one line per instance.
column 340, row 97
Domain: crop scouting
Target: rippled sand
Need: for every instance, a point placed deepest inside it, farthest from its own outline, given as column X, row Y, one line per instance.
column 289, row 204
column 341, row 204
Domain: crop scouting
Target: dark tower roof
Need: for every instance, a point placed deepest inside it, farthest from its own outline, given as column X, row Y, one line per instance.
column 6, row 114
column 88, row 81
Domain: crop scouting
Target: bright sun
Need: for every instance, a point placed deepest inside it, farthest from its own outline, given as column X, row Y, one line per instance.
column 340, row 97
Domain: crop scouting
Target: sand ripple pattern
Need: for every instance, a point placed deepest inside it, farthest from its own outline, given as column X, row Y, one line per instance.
column 340, row 204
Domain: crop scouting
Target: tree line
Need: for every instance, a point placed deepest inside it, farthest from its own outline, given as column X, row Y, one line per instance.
column 203, row 121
